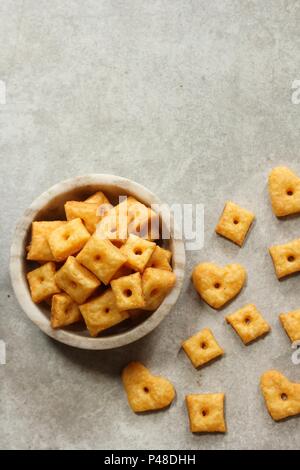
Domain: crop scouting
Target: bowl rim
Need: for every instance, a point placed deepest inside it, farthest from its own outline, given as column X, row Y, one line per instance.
column 20, row 287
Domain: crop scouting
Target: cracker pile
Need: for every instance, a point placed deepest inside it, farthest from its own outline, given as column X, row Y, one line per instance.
column 139, row 276
column 217, row 286
column 101, row 265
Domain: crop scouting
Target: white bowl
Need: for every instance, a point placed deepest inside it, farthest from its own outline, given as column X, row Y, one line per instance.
column 50, row 206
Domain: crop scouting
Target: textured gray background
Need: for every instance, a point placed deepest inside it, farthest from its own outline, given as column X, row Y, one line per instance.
column 193, row 99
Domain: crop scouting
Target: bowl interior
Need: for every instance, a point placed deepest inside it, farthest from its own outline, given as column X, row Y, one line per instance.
column 50, row 206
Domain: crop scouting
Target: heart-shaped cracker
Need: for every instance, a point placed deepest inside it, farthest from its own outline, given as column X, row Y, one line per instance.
column 284, row 189
column 145, row 391
column 282, row 397
column 217, row 285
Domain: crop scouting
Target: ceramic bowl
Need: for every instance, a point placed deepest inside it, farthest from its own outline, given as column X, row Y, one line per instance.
column 50, row 206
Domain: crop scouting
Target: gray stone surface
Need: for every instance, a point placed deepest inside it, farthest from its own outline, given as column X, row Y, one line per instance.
column 193, row 99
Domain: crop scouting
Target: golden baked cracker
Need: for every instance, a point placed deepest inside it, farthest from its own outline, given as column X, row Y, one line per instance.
column 102, row 313
column 98, row 198
column 138, row 252
column 39, row 249
column 206, row 412
column 202, row 347
column 68, row 239
column 42, row 282
column 234, row 223
column 146, row 392
column 291, row 323
column 86, row 211
column 282, row 397
column 217, row 285
column 128, row 292
column 167, row 253
column 142, row 221
column 248, row 323
column 286, row 258
column 157, row 283
column 114, row 225
column 76, row 280
column 284, row 190
column 101, row 257
column 64, row 311
column 160, row 259
column 103, row 204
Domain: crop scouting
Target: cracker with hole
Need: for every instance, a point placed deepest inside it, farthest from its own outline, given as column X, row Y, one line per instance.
column 102, row 258
column 218, row 285
column 282, row 397
column 86, row 211
column 39, row 249
column 160, row 259
column 76, row 280
column 142, row 220
column 248, row 323
column 137, row 252
column 202, row 348
column 157, row 283
column 68, row 239
column 128, row 292
column 286, row 258
column 235, row 223
column 64, row 311
column 291, row 323
column 102, row 313
column 146, row 392
column 284, row 191
column 42, row 283
column 206, row 412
